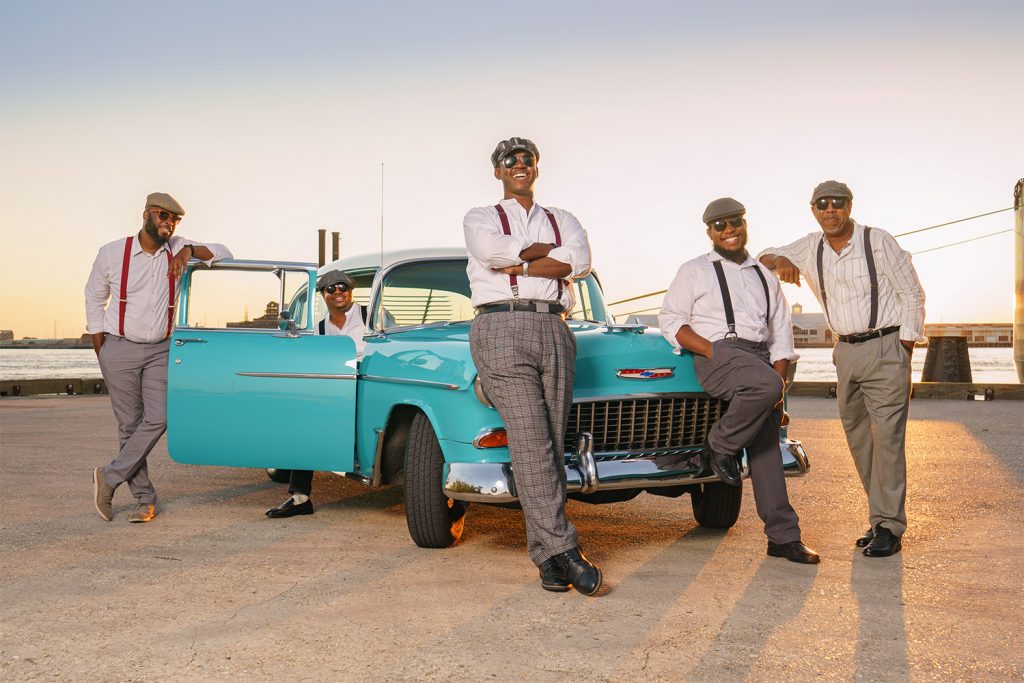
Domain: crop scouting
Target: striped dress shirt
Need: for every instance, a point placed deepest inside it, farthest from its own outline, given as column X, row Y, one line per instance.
column 848, row 284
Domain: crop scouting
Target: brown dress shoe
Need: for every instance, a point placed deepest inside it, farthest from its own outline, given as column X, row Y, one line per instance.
column 143, row 512
column 794, row 551
column 102, row 495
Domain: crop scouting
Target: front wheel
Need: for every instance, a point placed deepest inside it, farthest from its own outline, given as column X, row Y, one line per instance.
column 716, row 505
column 434, row 519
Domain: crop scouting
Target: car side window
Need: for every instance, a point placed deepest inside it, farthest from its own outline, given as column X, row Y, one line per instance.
column 226, row 298
column 425, row 292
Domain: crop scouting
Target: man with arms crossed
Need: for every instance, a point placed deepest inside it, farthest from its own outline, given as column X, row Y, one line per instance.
column 343, row 318
column 873, row 301
column 522, row 258
column 139, row 276
column 735, row 320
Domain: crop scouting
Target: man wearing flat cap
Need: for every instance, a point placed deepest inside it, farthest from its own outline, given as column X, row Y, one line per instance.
column 138, row 276
column 729, row 312
column 343, row 318
column 874, row 304
column 522, row 259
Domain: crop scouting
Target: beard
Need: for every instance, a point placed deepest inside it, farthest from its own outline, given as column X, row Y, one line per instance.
column 153, row 231
column 737, row 255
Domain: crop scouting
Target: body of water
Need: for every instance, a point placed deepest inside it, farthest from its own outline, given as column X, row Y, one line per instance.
column 815, row 365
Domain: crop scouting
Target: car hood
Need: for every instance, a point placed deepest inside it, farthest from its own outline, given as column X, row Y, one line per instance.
column 609, row 362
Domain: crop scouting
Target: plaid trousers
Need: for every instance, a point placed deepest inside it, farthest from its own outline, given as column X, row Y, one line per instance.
column 527, row 363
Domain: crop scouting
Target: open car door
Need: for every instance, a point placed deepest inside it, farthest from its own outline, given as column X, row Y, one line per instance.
column 263, row 392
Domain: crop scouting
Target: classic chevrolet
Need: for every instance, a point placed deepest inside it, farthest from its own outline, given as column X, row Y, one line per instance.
column 270, row 393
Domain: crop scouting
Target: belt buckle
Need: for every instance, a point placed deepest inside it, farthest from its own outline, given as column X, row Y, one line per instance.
column 542, row 307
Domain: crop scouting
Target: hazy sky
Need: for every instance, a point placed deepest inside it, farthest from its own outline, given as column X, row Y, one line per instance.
column 268, row 120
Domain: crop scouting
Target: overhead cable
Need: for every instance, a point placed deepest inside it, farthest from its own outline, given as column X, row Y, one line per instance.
column 958, row 220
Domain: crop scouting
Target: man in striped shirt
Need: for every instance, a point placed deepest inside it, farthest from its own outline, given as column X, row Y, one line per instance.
column 874, row 304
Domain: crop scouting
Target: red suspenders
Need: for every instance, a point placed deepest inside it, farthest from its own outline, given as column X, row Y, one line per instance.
column 506, row 228
column 123, row 300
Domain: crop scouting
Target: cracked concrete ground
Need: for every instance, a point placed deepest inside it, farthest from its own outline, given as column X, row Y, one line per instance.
column 212, row 590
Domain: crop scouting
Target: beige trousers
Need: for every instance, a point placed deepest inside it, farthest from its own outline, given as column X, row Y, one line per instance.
column 874, row 398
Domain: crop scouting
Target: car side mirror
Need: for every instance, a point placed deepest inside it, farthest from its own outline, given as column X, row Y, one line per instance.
column 286, row 324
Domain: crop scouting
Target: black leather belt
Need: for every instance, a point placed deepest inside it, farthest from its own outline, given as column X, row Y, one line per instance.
column 521, row 305
column 865, row 336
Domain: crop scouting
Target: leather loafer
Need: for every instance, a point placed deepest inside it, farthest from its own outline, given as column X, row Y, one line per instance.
column 794, row 551
column 866, row 538
column 884, row 544
column 552, row 578
column 582, row 575
column 290, row 509
column 726, row 467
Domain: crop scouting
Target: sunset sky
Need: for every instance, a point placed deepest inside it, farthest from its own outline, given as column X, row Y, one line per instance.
column 268, row 120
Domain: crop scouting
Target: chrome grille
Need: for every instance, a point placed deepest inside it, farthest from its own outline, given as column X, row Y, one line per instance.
column 634, row 426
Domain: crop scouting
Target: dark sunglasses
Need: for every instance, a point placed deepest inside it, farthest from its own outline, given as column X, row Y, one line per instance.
column 837, row 203
column 331, row 289
column 510, row 160
column 165, row 215
column 719, row 225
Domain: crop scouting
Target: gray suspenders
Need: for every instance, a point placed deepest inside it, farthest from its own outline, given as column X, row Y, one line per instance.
column 730, row 317
column 872, row 275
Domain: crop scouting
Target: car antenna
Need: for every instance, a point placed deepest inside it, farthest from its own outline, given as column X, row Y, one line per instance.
column 382, row 214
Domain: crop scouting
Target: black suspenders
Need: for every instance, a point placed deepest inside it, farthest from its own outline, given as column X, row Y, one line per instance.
column 730, row 317
column 507, row 229
column 872, row 276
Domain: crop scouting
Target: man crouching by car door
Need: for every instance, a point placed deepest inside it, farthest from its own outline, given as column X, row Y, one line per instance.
column 343, row 318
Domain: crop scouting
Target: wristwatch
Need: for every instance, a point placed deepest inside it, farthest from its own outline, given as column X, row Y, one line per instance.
column 526, row 269
column 193, row 248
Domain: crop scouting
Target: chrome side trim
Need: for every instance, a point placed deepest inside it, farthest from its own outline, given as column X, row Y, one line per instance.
column 189, row 340
column 417, row 382
column 295, row 375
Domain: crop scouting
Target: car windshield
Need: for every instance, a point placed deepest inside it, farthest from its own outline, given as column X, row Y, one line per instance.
column 437, row 291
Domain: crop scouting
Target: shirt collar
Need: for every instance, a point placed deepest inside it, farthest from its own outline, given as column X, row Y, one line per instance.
column 137, row 246
column 513, row 203
column 713, row 256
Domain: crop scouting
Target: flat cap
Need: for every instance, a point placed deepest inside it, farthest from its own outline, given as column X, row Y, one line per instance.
column 720, row 208
column 831, row 188
column 334, row 277
column 162, row 200
column 506, row 147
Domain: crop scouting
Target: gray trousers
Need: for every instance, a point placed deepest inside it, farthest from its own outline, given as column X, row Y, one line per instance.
column 739, row 372
column 527, row 364
column 874, row 400
column 136, row 377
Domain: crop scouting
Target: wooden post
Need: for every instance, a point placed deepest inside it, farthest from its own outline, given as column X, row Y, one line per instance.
column 335, row 243
column 322, row 257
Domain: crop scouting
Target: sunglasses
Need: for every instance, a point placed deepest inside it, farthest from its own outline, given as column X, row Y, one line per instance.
column 510, row 160
column 331, row 289
column 719, row 225
column 837, row 203
column 167, row 215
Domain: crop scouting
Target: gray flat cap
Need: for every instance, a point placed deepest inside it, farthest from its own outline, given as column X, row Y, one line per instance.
column 831, row 188
column 162, row 200
column 334, row 277
column 721, row 208
column 506, row 147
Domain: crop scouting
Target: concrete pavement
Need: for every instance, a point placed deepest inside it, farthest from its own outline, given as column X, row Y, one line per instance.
column 212, row 590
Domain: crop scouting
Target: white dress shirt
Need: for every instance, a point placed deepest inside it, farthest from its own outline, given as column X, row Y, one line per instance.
column 848, row 284
column 490, row 248
column 354, row 327
column 695, row 298
column 145, row 316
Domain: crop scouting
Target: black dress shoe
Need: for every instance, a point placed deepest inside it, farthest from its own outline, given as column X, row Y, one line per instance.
column 290, row 509
column 584, row 577
column 552, row 578
column 727, row 467
column 884, row 544
column 794, row 551
column 866, row 538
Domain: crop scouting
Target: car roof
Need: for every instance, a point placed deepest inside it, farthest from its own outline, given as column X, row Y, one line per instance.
column 363, row 261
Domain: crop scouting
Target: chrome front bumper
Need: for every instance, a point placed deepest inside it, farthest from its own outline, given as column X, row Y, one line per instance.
column 488, row 482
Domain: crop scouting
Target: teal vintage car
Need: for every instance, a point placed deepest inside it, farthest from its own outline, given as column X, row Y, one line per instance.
column 267, row 392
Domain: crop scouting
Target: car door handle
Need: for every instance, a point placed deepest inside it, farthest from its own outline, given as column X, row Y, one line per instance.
column 182, row 342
